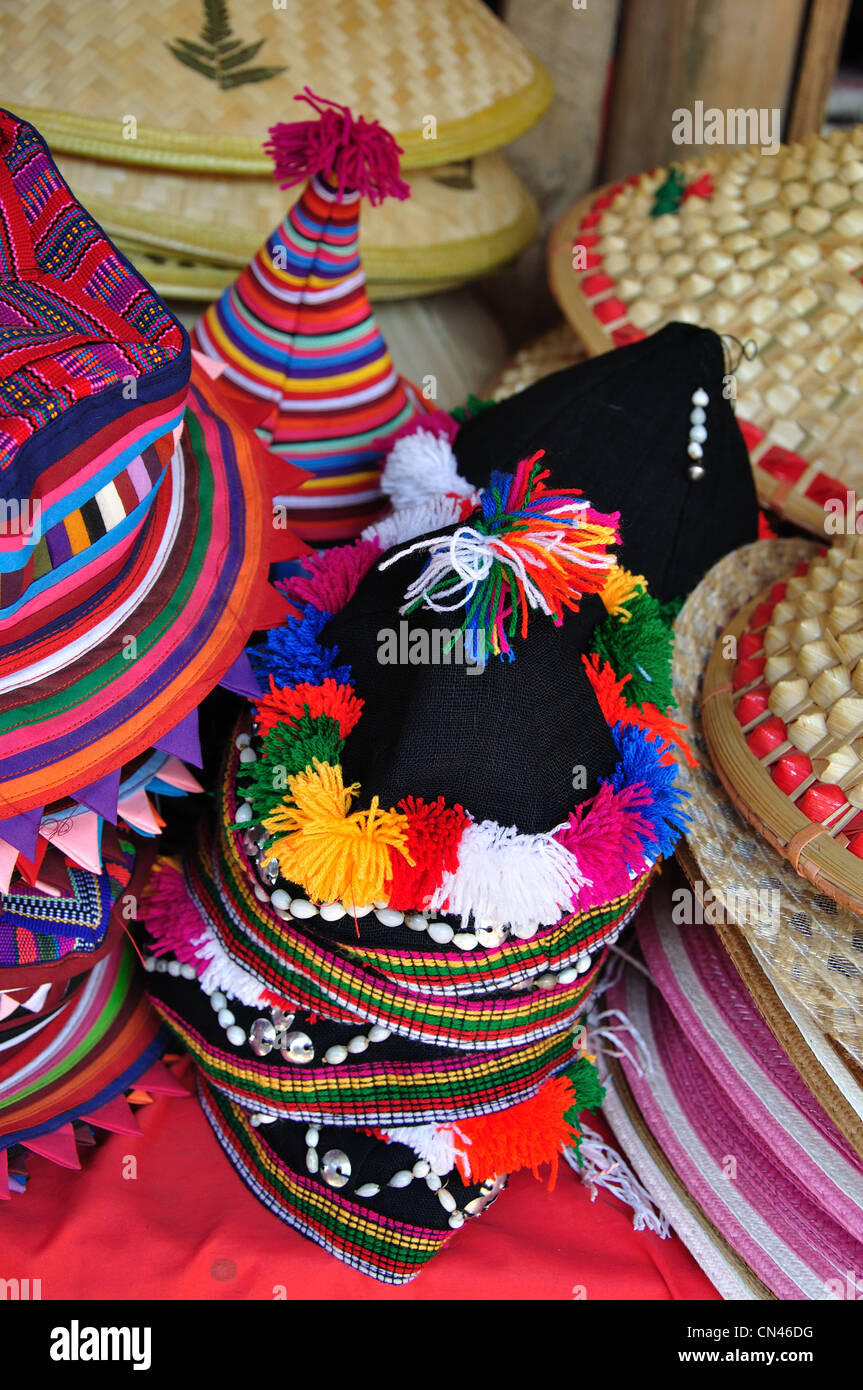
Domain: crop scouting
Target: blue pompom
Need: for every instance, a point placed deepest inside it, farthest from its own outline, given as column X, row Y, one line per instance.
column 293, row 653
column 640, row 761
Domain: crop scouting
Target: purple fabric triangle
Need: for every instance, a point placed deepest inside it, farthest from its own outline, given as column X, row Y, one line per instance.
column 101, row 796
column 22, row 832
column 241, row 678
column 183, row 740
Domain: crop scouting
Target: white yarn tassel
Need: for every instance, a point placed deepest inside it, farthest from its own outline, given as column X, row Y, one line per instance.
column 606, row 1038
column 602, row 1166
column 520, row 881
column 222, row 974
column 436, row 1145
column 416, row 519
column 420, row 466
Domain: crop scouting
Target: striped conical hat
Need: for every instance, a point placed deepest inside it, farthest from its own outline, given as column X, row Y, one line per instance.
column 302, row 352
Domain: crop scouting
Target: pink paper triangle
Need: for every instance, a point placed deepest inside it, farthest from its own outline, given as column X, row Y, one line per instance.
column 160, row 1081
column 37, row 998
column 176, row 774
column 78, row 837
column 209, row 365
column 8, row 858
column 114, row 1116
column 58, row 1147
column 8, row 1005
column 137, row 809
column 4, row 1177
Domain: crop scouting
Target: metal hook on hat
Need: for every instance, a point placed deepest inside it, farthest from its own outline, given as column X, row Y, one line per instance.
column 748, row 349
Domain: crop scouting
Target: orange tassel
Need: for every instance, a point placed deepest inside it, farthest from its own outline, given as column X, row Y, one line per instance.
column 609, row 693
column 526, row 1135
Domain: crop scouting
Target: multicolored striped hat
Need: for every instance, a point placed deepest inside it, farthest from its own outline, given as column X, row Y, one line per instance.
column 76, row 1031
column 136, row 526
column 304, row 360
column 747, row 1151
column 446, row 804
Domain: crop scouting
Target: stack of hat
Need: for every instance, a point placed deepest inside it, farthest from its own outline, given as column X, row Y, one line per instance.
column 135, row 546
column 766, row 245
column 447, row 801
column 749, row 1127
column 162, row 115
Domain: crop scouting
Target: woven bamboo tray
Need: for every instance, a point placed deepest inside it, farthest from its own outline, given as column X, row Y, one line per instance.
column 783, row 717
column 815, row 951
column 774, row 255
column 460, row 221
column 552, row 352
column 202, row 82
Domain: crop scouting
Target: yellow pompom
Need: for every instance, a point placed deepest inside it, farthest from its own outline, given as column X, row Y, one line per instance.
column 620, row 588
column 333, row 855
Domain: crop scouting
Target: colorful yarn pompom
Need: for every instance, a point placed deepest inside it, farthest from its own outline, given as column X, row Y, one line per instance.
column 608, row 835
column 643, row 762
column 360, row 154
column 288, row 748
column 332, row 854
column 293, row 653
column 620, row 588
column 473, row 406
column 610, row 695
column 289, row 704
column 331, row 578
column 642, row 648
column 434, row 832
column 529, row 548
column 173, row 922
column 527, row 1135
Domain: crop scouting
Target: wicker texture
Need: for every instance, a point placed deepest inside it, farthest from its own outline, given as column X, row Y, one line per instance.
column 815, row 950
column 399, row 61
column 552, row 352
column 783, row 720
column 460, row 221
column 773, row 254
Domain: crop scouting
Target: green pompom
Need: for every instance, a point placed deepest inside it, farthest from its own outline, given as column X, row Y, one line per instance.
column 472, row 406
column 589, row 1095
column 641, row 648
column 287, row 749
column 669, row 195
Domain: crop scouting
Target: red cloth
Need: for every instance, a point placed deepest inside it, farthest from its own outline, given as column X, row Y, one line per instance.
column 187, row 1228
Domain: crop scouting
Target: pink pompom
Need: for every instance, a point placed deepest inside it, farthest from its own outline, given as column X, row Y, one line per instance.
column 360, row 154
column 607, row 836
column 332, row 576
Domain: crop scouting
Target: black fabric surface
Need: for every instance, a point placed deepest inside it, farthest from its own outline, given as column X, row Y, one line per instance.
column 617, row 427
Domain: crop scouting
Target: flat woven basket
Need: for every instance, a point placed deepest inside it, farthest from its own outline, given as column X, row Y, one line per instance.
column 815, row 948
column 461, row 220
column 195, row 84
column 552, row 352
column 773, row 254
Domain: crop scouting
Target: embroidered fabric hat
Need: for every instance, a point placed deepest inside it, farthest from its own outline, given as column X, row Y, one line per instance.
column 809, row 941
column 756, row 1156
column 387, row 996
column 76, row 1031
column 304, row 360
column 133, row 572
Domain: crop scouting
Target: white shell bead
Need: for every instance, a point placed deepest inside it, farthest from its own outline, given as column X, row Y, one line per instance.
column 312, row 1137
column 226, row 1018
column 401, row 1179
column 244, row 813
column 281, row 900
column 567, row 976
column 301, row 907
column 582, row 965
column 358, row 1044
column 694, row 450
column 446, row 1199
column 700, row 396
column 173, row 967
column 698, row 433
column 546, row 981
column 378, row 1033
column 248, row 755
column 332, row 912
column 698, row 415
column 335, row 1054
column 187, row 971
column 261, row 894
column 421, row 1168
column 456, row 1220
column 236, row 1035
column 312, row 1160
column 441, row 933
column 368, row 1189
column 433, row 1182
column 465, row 940
column 416, row 921
column 389, row 917
column 218, row 1000
column 362, row 911
column 242, row 741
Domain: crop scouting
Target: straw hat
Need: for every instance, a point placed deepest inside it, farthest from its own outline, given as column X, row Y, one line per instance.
column 766, row 247
column 746, row 1138
column 203, row 81
column 461, row 220
column 803, row 939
